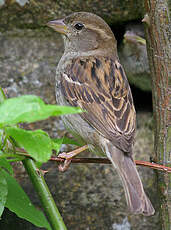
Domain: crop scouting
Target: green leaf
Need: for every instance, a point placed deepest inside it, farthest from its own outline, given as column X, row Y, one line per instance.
column 3, row 192
column 37, row 143
column 57, row 144
column 5, row 164
column 30, row 108
column 19, row 203
column 2, row 95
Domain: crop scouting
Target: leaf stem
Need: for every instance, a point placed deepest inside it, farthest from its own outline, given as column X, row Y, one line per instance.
column 45, row 196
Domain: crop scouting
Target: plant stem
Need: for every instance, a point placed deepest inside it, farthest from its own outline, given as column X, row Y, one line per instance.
column 45, row 196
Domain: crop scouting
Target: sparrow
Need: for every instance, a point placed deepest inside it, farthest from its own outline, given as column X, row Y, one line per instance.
column 90, row 76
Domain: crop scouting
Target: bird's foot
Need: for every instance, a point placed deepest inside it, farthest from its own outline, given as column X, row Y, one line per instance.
column 68, row 157
column 63, row 167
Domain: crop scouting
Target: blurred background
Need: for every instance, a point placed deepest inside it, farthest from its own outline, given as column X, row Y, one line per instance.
column 89, row 196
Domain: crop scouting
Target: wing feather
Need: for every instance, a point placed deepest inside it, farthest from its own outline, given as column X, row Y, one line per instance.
column 99, row 86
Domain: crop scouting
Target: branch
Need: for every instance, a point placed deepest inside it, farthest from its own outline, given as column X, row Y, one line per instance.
column 106, row 161
column 158, row 37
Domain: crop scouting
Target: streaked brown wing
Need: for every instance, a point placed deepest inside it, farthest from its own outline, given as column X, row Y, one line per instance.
column 100, row 87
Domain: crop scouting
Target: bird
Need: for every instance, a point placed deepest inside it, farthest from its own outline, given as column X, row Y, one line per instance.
column 89, row 75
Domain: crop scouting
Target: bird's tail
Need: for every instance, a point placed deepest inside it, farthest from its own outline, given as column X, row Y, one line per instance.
column 136, row 198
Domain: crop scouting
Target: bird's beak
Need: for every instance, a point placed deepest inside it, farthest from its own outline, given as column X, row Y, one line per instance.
column 58, row 25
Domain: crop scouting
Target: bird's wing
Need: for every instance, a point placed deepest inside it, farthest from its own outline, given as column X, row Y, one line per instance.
column 99, row 86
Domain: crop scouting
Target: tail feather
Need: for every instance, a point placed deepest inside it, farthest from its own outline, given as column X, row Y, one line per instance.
column 136, row 198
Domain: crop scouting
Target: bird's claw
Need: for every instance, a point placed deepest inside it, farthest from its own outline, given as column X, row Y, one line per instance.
column 66, row 156
column 63, row 167
column 67, row 161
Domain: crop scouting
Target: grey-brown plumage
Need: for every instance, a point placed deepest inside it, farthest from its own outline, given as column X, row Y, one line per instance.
column 90, row 76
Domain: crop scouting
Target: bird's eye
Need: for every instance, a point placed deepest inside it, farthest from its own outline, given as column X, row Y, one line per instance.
column 78, row 26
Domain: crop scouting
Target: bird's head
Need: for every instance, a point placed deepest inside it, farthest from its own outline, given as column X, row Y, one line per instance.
column 83, row 31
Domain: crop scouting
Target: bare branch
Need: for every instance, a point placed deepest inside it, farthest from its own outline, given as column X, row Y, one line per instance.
column 107, row 161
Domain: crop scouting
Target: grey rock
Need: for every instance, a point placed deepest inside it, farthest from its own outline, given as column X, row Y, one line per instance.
column 133, row 56
column 35, row 14
column 2, row 2
column 125, row 225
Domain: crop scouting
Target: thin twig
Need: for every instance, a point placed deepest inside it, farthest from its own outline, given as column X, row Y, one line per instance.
column 106, row 161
